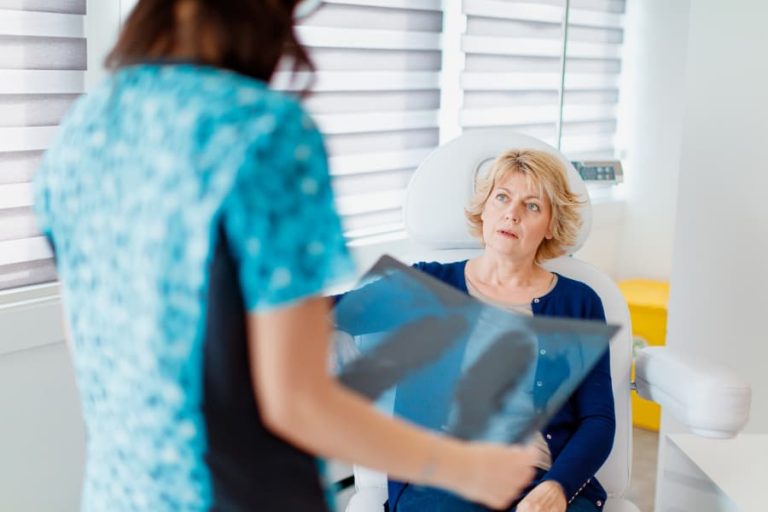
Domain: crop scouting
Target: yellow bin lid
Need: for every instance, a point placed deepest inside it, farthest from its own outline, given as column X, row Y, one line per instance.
column 645, row 292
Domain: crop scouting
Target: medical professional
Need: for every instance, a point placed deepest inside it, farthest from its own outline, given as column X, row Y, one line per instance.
column 191, row 214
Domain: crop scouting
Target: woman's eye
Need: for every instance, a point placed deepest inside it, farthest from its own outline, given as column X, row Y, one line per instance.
column 533, row 207
column 501, row 197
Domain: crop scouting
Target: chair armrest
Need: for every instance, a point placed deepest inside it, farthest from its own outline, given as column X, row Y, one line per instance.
column 367, row 500
column 370, row 491
column 368, row 478
column 711, row 400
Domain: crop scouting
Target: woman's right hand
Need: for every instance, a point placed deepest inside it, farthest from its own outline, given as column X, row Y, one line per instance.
column 490, row 474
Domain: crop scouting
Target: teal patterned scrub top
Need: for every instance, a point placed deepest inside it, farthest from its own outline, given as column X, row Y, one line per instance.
column 178, row 198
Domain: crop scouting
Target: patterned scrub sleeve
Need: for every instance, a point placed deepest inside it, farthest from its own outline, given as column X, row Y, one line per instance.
column 280, row 219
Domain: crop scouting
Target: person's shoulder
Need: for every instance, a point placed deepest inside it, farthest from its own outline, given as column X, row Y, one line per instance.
column 88, row 107
column 265, row 111
column 223, row 95
column 576, row 289
column 247, row 94
column 449, row 271
column 250, row 115
column 438, row 266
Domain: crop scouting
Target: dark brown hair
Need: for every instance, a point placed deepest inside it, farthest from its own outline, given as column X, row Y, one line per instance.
column 248, row 36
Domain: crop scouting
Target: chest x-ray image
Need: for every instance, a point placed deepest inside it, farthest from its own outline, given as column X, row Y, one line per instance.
column 446, row 361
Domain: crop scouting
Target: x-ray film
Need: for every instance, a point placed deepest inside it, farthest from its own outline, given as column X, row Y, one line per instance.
column 446, row 361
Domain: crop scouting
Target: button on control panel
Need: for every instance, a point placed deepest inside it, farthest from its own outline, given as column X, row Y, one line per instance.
column 605, row 171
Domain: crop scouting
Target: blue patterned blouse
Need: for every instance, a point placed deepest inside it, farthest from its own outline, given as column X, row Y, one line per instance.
column 177, row 198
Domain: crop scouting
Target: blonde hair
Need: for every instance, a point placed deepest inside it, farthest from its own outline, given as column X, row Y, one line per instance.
column 546, row 172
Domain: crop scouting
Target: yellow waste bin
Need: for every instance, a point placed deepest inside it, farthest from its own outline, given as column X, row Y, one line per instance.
column 647, row 300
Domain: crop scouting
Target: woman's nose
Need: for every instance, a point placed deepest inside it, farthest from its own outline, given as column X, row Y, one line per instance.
column 512, row 213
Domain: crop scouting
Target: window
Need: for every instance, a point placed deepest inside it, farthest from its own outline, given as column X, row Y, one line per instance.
column 394, row 79
column 42, row 64
column 513, row 71
column 592, row 73
column 377, row 100
column 382, row 64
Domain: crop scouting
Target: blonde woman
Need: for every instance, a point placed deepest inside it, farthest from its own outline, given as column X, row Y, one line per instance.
column 524, row 213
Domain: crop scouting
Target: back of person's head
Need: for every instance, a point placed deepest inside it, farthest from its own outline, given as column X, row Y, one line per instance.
column 245, row 36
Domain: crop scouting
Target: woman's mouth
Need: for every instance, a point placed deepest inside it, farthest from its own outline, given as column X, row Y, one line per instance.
column 507, row 234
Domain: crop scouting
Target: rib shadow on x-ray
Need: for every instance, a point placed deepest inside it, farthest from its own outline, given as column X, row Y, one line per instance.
column 481, row 391
column 402, row 352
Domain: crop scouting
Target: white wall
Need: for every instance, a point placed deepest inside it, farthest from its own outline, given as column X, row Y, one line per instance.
column 603, row 244
column 650, row 131
column 719, row 296
column 41, row 432
column 633, row 230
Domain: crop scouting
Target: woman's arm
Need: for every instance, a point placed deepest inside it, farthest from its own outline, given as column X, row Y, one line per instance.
column 592, row 441
column 301, row 402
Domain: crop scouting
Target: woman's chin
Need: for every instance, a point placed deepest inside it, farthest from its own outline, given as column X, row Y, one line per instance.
column 510, row 249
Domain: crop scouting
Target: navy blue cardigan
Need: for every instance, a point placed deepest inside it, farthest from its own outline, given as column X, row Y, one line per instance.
column 580, row 436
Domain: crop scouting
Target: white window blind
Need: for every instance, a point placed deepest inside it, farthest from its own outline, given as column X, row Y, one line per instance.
column 42, row 64
column 377, row 101
column 512, row 72
column 592, row 72
column 376, row 95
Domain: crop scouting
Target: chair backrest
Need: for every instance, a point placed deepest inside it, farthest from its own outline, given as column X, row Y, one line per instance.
column 434, row 219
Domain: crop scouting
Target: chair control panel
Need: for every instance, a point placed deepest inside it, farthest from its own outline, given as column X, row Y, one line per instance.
column 603, row 171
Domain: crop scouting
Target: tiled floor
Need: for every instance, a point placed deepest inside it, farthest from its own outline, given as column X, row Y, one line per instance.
column 642, row 488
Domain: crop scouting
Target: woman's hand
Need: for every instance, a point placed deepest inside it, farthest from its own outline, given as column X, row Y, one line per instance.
column 548, row 496
column 491, row 474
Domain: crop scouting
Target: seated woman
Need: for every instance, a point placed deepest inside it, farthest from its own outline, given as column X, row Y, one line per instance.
column 524, row 213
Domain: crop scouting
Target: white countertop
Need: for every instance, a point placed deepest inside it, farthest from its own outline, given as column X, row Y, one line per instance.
column 739, row 466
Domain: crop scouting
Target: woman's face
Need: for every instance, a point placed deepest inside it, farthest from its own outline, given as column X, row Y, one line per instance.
column 516, row 217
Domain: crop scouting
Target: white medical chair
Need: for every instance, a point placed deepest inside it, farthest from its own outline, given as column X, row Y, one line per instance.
column 711, row 401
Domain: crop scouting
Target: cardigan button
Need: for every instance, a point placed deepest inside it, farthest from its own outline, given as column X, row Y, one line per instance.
column 536, row 301
column 599, row 503
column 549, row 436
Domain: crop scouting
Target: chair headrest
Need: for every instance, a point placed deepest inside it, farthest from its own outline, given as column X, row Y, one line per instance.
column 443, row 184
